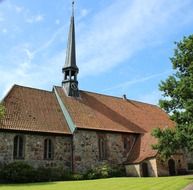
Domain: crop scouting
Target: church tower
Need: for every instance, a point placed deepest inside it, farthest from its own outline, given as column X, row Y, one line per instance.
column 70, row 69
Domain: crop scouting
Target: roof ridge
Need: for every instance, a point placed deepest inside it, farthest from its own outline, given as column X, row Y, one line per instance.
column 32, row 88
column 117, row 97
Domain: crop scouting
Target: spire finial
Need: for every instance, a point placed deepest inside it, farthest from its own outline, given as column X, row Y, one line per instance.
column 72, row 7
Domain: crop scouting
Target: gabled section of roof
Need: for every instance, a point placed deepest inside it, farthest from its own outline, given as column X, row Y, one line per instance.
column 34, row 110
column 142, row 149
column 101, row 112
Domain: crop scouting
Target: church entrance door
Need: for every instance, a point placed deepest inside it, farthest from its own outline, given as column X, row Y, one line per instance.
column 172, row 167
column 145, row 172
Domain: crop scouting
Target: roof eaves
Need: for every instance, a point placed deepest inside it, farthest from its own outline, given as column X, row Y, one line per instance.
column 138, row 161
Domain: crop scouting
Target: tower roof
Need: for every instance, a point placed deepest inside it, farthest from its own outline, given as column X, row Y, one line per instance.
column 71, row 47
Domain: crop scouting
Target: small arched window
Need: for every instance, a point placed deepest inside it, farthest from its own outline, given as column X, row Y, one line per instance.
column 48, row 149
column 18, row 152
column 102, row 147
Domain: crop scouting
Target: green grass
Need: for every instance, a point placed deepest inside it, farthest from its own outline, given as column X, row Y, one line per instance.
column 162, row 183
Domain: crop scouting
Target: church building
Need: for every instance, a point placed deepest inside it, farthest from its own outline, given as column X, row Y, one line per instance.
column 79, row 130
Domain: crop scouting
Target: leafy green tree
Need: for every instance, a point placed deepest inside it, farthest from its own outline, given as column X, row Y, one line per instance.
column 2, row 111
column 178, row 102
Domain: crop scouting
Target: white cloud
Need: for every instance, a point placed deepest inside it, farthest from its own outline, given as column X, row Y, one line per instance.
column 50, row 41
column 113, row 36
column 30, row 54
column 126, row 84
column 57, row 21
column 124, row 28
column 35, row 18
column 25, row 71
column 19, row 9
column 151, row 97
column 1, row 19
column 83, row 14
column 4, row 30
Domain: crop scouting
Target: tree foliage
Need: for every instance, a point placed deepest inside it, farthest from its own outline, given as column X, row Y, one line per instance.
column 178, row 101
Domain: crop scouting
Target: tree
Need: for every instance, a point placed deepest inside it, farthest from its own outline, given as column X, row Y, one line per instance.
column 178, row 102
column 2, row 111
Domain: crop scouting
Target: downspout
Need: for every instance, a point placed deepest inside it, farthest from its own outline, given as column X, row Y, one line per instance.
column 72, row 154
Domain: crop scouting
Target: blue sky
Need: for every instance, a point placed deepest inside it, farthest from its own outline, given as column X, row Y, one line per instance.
column 123, row 47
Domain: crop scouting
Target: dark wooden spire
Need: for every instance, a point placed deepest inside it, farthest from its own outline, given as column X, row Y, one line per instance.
column 71, row 48
column 70, row 68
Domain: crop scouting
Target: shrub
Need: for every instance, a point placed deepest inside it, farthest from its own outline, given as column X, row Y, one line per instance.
column 77, row 177
column 118, row 171
column 190, row 166
column 53, row 174
column 18, row 172
column 105, row 171
column 21, row 172
column 45, row 174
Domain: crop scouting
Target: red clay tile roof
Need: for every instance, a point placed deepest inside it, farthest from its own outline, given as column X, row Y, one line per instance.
column 142, row 149
column 101, row 112
column 36, row 110
column 33, row 110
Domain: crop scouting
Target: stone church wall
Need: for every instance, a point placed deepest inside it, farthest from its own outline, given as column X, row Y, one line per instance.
column 152, row 167
column 86, row 150
column 180, row 164
column 189, row 158
column 135, row 170
column 34, row 150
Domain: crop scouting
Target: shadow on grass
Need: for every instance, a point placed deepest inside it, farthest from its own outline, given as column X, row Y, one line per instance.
column 189, row 178
column 185, row 178
column 26, row 184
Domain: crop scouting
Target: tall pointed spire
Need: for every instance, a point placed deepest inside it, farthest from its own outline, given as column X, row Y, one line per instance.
column 70, row 69
column 71, row 47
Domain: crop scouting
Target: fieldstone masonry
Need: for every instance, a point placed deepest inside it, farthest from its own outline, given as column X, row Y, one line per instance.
column 156, row 166
column 34, row 150
column 86, row 151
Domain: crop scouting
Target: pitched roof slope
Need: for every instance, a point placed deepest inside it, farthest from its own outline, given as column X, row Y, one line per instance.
column 101, row 112
column 29, row 109
column 142, row 149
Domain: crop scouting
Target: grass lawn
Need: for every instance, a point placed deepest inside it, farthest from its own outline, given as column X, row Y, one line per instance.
column 162, row 183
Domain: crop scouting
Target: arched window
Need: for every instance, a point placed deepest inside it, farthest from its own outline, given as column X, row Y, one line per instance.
column 126, row 143
column 102, row 147
column 48, row 149
column 18, row 152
